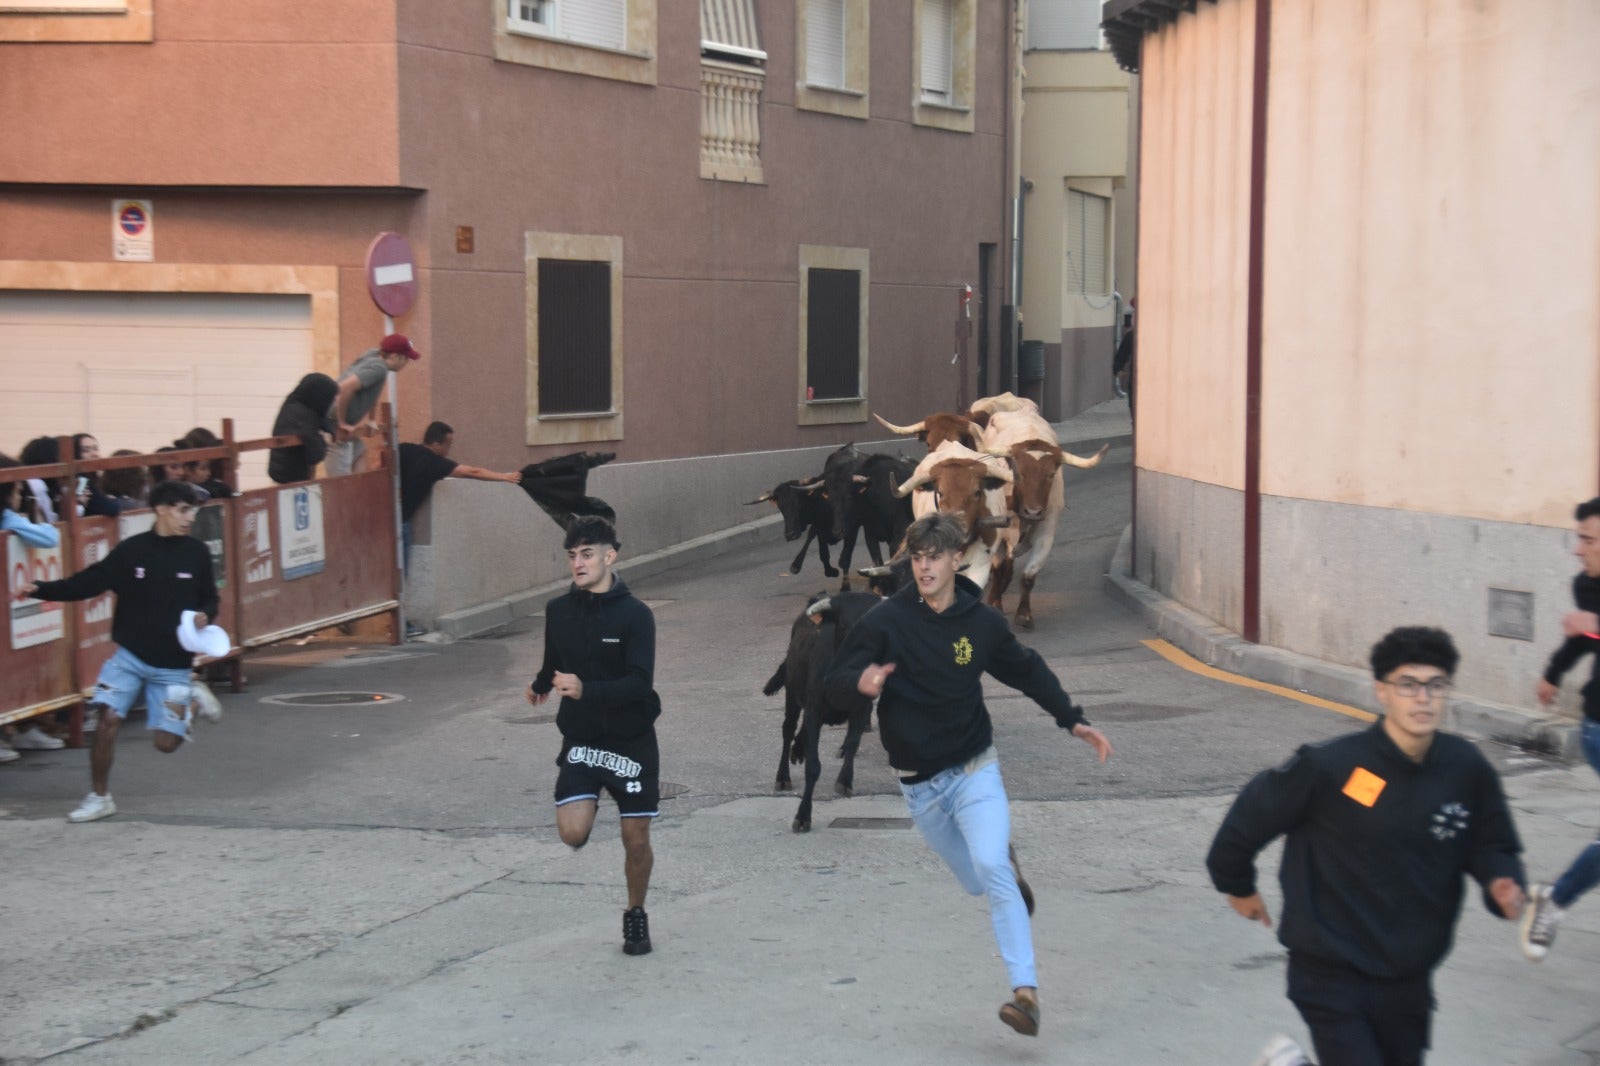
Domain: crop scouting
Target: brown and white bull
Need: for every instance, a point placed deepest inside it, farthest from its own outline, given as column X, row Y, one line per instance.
column 1037, row 492
column 957, row 480
column 983, row 409
column 938, row 428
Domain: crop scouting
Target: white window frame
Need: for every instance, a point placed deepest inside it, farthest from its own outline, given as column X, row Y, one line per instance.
column 848, row 99
column 555, row 45
column 952, row 108
column 1076, row 272
column 565, row 23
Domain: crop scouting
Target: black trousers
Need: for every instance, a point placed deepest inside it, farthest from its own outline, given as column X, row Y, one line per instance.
column 1356, row 1020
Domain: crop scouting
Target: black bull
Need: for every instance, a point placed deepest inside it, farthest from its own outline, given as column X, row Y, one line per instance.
column 860, row 490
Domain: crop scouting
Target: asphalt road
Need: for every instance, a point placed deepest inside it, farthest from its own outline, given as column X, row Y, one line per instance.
column 380, row 880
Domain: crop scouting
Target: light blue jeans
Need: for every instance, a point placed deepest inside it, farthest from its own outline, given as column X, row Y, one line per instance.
column 1584, row 873
column 964, row 815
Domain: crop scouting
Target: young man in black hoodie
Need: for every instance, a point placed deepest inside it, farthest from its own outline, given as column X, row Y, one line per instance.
column 1582, row 627
column 1380, row 826
column 600, row 658
column 157, row 576
column 922, row 654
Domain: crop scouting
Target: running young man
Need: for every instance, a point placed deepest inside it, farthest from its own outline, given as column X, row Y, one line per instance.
column 157, row 576
column 922, row 654
column 1550, row 902
column 600, row 658
column 1380, row 826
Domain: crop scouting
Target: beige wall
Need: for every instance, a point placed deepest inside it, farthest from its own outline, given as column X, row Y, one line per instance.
column 1193, row 236
column 1430, row 322
column 220, row 98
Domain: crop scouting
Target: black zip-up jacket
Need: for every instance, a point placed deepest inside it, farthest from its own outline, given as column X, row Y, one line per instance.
column 931, row 715
column 1586, row 594
column 608, row 640
column 1376, row 848
column 156, row 579
column 303, row 414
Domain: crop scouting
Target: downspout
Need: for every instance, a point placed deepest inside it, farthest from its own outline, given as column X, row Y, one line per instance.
column 1013, row 178
column 1138, row 236
column 1251, row 624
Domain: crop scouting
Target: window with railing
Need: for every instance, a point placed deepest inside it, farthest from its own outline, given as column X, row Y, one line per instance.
column 732, row 75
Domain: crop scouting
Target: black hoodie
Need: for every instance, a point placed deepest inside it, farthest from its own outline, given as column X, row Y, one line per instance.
column 931, row 714
column 302, row 415
column 1376, row 846
column 1586, row 594
column 608, row 640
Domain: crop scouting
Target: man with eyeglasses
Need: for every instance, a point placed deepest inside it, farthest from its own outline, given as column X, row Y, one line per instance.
column 1582, row 628
column 1379, row 828
column 157, row 575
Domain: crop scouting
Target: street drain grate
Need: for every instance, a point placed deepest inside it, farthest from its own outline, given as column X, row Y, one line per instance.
column 334, row 699
column 532, row 719
column 870, row 823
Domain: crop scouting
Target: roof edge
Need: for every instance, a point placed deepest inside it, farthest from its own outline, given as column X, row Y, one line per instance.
column 1125, row 23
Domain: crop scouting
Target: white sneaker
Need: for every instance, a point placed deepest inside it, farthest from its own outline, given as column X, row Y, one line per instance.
column 1282, row 1051
column 7, row 754
column 35, row 739
column 93, row 808
column 1539, row 920
column 205, row 702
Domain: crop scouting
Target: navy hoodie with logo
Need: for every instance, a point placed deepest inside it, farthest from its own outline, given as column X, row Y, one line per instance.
column 931, row 715
column 1375, row 848
column 156, row 579
column 608, row 640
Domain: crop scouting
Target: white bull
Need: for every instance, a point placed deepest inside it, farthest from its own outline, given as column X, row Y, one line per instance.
column 1038, row 492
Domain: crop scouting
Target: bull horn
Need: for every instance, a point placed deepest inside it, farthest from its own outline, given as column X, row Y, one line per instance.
column 765, row 497
column 998, row 453
column 993, row 521
column 874, row 571
column 818, row 608
column 860, row 479
column 810, row 486
column 911, row 485
column 1085, row 464
column 904, row 431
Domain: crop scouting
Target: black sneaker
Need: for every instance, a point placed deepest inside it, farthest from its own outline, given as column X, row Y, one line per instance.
column 1022, row 883
column 636, row 932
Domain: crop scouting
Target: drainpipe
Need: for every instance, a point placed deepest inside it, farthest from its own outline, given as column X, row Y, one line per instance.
column 1013, row 177
column 1251, row 625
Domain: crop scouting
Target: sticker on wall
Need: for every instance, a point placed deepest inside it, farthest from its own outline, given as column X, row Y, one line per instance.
column 301, row 552
column 33, row 621
column 133, row 231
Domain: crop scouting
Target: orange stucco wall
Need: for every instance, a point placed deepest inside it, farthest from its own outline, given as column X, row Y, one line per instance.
column 1430, row 327
column 1194, row 200
column 294, row 93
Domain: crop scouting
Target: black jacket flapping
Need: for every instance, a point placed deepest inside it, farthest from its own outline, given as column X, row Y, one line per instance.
column 303, row 414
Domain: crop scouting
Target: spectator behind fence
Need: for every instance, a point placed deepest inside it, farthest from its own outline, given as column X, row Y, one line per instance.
column 209, row 474
column 303, row 414
column 35, row 535
column 44, row 492
column 422, row 466
column 95, row 500
column 360, row 388
column 129, row 486
column 160, row 472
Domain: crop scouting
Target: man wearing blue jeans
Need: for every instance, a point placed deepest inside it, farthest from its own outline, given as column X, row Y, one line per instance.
column 922, row 654
column 1582, row 627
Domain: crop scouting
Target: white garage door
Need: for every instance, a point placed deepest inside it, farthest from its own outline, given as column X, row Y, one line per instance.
column 138, row 370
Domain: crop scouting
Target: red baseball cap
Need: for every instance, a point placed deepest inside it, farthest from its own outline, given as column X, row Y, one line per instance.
column 398, row 344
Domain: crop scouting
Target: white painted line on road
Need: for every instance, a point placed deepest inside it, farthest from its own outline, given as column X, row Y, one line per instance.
column 1181, row 658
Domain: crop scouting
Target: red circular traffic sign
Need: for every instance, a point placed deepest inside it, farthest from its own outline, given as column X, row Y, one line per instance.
column 391, row 274
column 132, row 219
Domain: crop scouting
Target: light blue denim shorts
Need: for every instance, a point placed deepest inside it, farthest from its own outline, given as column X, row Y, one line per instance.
column 166, row 691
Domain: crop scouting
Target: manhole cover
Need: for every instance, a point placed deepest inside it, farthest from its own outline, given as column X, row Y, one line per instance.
column 333, row 699
column 870, row 823
column 672, row 791
column 532, row 719
column 1136, row 712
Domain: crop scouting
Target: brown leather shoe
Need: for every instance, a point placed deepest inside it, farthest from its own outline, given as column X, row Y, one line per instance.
column 1022, row 1014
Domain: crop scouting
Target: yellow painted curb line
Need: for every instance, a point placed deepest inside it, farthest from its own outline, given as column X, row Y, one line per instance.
column 1181, row 658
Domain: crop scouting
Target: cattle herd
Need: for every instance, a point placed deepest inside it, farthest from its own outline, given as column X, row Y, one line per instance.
column 997, row 465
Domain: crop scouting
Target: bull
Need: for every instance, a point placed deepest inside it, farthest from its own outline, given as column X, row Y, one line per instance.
column 864, row 502
column 1037, row 493
column 805, row 511
column 957, row 480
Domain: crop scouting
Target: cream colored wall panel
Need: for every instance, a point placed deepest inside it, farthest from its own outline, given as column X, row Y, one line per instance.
column 140, row 369
column 1195, row 159
column 1429, row 329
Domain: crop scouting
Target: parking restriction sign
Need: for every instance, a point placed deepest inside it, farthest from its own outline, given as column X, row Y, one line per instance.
column 133, row 231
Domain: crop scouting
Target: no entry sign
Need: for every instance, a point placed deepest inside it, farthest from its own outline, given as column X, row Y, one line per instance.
column 133, row 231
column 391, row 274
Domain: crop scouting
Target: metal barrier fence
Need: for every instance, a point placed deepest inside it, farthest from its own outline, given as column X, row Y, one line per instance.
column 289, row 560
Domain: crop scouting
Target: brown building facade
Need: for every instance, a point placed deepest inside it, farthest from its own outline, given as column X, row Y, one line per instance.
column 671, row 230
